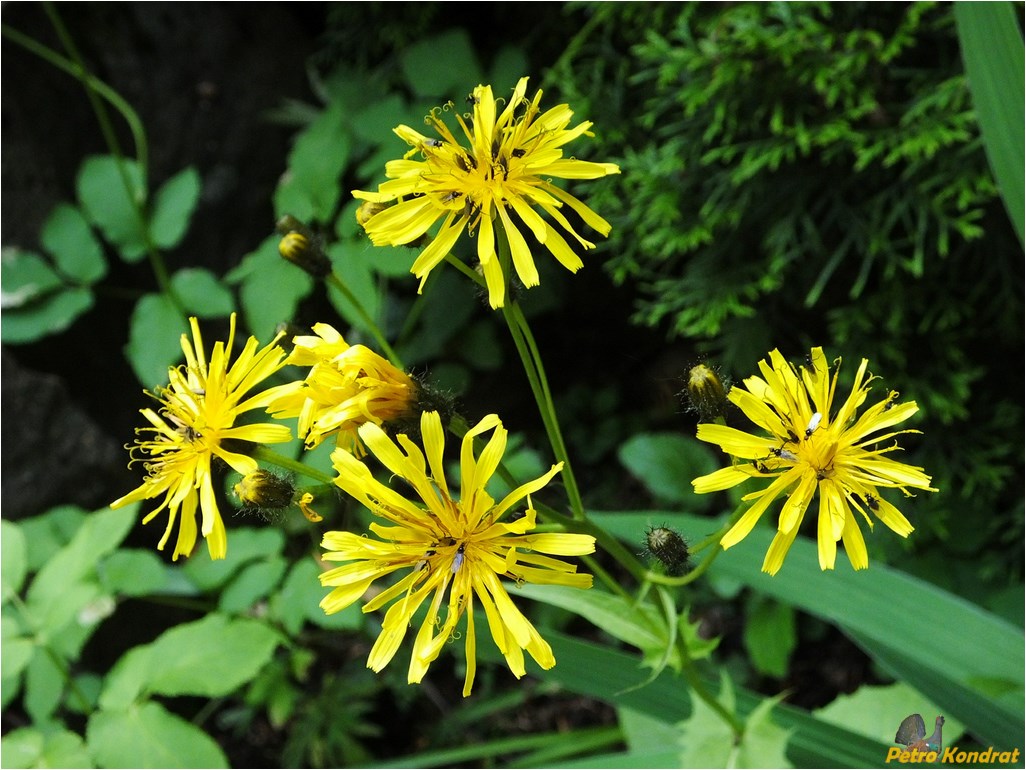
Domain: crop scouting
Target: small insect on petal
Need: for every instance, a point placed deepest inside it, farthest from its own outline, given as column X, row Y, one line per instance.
column 817, row 418
column 785, row 454
column 457, row 560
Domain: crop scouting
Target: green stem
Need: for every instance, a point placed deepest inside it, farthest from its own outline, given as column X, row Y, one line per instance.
column 270, row 456
column 369, row 324
column 546, row 405
column 95, row 90
column 712, row 540
column 690, row 673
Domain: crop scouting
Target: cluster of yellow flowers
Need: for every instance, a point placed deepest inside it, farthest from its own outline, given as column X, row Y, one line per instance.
column 453, row 549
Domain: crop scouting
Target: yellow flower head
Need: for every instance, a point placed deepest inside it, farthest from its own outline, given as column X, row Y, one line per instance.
column 194, row 424
column 810, row 446
column 505, row 168
column 452, row 551
column 347, row 386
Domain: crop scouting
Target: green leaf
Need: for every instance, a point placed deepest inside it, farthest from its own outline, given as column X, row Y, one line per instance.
column 154, row 340
column 353, row 267
column 253, row 584
column 992, row 49
column 665, row 463
column 148, row 735
column 49, row 532
column 100, row 533
column 639, row 625
column 870, row 711
column 442, row 66
column 202, row 293
column 209, row 657
column 13, row 558
column 509, row 65
column 770, row 636
column 15, row 654
column 36, row 303
column 112, row 206
column 29, row 747
column 173, row 207
column 611, row 675
column 271, row 288
column 927, row 651
column 244, row 545
column 27, row 277
column 310, row 190
column 299, row 600
column 44, row 685
column 134, row 572
column 68, row 237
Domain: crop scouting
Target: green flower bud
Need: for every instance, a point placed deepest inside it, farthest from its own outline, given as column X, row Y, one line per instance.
column 670, row 549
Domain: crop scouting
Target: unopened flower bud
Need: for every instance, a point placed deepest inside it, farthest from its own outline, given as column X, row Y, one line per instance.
column 263, row 489
column 706, row 393
column 302, row 251
column 670, row 549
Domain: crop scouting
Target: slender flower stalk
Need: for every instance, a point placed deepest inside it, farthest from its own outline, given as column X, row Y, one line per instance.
column 809, row 447
column 451, row 551
column 497, row 179
column 196, row 423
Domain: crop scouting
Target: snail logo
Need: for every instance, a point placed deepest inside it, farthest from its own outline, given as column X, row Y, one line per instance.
column 912, row 733
column 922, row 749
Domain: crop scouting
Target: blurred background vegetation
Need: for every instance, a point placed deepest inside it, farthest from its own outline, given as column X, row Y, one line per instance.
column 793, row 175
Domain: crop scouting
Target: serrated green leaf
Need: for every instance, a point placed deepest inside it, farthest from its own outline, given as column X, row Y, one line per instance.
column 67, row 236
column 148, row 735
column 112, row 206
column 253, row 584
column 770, row 636
column 29, row 747
column 173, row 207
column 13, row 559
column 441, row 66
column 134, row 572
column 271, row 288
column 665, row 463
column 202, row 293
column 154, row 340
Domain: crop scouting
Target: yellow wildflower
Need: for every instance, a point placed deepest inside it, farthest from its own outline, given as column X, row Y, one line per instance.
column 810, row 448
column 507, row 168
column 347, row 386
column 449, row 548
column 196, row 423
